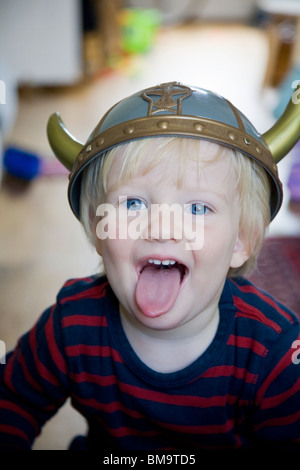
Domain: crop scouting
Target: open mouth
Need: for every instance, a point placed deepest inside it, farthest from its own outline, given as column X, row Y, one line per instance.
column 166, row 264
column 158, row 286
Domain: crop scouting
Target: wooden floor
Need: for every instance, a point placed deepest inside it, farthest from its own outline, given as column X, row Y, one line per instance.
column 41, row 243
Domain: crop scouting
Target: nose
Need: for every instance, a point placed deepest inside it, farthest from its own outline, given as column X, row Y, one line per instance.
column 164, row 223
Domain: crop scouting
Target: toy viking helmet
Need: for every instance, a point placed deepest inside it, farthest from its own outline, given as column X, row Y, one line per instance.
column 174, row 109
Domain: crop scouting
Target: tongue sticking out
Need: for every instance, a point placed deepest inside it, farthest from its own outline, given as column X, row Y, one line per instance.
column 157, row 290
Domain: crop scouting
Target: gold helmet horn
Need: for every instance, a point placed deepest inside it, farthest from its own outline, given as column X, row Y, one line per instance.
column 65, row 147
column 285, row 133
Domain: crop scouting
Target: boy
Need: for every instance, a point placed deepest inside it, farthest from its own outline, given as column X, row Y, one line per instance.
column 171, row 348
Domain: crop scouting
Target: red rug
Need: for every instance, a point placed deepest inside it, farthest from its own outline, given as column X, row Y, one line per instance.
column 278, row 270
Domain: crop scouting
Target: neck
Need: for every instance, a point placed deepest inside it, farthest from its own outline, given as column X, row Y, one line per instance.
column 174, row 349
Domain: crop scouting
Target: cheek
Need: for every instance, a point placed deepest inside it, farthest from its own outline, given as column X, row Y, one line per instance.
column 218, row 247
column 117, row 259
column 220, row 233
column 115, row 250
column 116, row 255
column 109, row 229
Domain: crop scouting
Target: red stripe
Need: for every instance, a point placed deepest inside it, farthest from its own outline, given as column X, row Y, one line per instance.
column 177, row 400
column 96, row 292
column 108, row 407
column 71, row 282
column 189, row 401
column 221, row 428
column 124, row 431
column 32, row 382
column 116, row 356
column 249, row 311
column 99, row 351
column 29, row 379
column 84, row 320
column 231, row 370
column 19, row 358
column 280, row 421
column 40, row 367
column 248, row 343
column 7, row 429
column 52, row 345
column 266, row 298
column 103, row 381
column 281, row 365
column 9, row 371
column 168, row 399
column 6, row 405
column 277, row 400
column 154, row 396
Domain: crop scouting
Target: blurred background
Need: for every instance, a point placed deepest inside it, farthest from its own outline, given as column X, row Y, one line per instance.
column 79, row 57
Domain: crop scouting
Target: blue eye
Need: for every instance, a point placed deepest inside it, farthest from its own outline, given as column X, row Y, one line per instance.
column 198, row 208
column 135, row 204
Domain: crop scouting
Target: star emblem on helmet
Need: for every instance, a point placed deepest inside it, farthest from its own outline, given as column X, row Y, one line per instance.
column 165, row 94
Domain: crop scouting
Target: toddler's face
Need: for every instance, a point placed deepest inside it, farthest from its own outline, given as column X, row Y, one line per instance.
column 167, row 247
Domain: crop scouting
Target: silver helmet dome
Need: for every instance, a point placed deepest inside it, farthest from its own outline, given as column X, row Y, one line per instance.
column 174, row 109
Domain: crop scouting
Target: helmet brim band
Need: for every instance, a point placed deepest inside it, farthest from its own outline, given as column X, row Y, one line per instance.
column 179, row 126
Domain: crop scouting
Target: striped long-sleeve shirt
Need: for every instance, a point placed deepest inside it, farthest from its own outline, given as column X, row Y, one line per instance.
column 244, row 390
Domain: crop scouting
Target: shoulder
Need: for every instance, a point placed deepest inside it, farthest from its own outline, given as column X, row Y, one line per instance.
column 82, row 289
column 82, row 298
column 261, row 310
column 82, row 302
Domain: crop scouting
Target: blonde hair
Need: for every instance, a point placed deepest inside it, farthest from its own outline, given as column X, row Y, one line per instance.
column 252, row 184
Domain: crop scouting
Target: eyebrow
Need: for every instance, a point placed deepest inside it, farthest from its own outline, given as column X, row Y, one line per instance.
column 205, row 193
column 196, row 192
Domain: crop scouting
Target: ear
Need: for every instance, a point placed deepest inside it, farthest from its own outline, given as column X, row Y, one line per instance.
column 98, row 246
column 240, row 253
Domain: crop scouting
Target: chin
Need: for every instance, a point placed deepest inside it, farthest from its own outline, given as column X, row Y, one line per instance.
column 164, row 322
